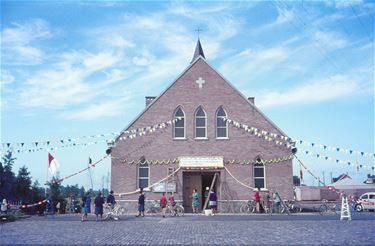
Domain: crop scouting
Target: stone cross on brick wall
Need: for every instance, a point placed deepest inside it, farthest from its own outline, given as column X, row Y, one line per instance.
column 200, row 82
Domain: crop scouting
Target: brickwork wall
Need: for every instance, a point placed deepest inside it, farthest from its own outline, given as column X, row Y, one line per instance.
column 241, row 145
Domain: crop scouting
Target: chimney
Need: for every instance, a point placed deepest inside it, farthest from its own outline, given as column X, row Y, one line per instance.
column 251, row 99
column 149, row 100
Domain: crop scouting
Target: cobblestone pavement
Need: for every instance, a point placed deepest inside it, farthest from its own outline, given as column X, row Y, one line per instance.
column 300, row 229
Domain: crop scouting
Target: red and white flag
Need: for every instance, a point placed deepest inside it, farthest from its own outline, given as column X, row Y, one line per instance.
column 52, row 164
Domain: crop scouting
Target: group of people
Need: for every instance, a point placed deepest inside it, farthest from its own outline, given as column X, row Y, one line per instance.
column 212, row 200
column 263, row 205
column 98, row 202
column 163, row 203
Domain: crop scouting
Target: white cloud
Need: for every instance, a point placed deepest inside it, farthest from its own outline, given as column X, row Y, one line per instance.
column 6, row 78
column 18, row 42
column 313, row 92
column 329, row 39
column 284, row 16
column 340, row 4
column 98, row 110
column 253, row 62
column 71, row 81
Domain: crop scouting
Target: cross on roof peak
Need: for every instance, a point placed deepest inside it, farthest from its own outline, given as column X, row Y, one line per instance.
column 198, row 30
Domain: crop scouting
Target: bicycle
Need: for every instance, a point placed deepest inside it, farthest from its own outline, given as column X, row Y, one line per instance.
column 327, row 207
column 175, row 210
column 153, row 207
column 248, row 207
column 293, row 206
column 114, row 212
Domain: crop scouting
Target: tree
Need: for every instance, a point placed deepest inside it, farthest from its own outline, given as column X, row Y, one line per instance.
column 37, row 192
column 55, row 193
column 23, row 184
column 7, row 177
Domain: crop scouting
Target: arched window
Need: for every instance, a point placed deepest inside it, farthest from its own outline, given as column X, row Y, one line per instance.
column 143, row 173
column 221, row 124
column 259, row 174
column 179, row 125
column 200, row 124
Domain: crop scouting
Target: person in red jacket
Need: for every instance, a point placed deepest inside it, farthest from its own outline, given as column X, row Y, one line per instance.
column 257, row 200
column 163, row 204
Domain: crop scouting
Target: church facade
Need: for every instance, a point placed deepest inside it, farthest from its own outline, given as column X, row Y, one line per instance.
column 206, row 139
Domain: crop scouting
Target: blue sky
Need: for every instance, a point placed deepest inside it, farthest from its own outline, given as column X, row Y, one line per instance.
column 74, row 69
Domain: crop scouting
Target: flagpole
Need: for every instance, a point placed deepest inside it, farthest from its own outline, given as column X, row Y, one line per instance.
column 46, row 184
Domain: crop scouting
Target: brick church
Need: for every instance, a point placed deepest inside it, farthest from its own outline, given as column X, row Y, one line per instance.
column 198, row 145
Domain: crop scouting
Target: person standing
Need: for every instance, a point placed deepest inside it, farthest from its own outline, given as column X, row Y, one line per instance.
column 163, row 204
column 4, row 206
column 86, row 206
column 99, row 201
column 266, row 201
column 212, row 201
column 141, row 203
column 206, row 193
column 276, row 201
column 257, row 200
column 195, row 202
column 111, row 199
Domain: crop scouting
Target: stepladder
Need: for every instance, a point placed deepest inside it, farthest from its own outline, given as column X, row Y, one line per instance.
column 345, row 209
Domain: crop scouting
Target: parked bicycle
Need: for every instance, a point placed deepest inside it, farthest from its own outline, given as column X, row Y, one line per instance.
column 175, row 209
column 248, row 207
column 155, row 208
column 327, row 207
column 292, row 205
column 114, row 212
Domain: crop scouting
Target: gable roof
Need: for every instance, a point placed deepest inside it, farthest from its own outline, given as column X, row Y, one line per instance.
column 347, row 182
column 180, row 75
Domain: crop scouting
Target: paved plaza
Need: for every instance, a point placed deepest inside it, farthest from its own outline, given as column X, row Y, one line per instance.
column 310, row 229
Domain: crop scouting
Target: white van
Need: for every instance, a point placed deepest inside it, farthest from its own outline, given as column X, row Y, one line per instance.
column 366, row 202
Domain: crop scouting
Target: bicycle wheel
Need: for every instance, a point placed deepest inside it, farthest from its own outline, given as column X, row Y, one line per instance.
column 323, row 209
column 283, row 209
column 244, row 209
column 335, row 209
column 179, row 210
column 297, row 207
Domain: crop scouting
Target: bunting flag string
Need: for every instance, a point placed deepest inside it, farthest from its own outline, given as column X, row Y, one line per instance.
column 318, row 179
column 48, row 143
column 80, row 171
column 291, row 142
column 130, row 134
column 22, row 151
column 327, row 158
column 73, row 142
column 33, row 204
column 231, row 162
column 336, row 149
column 267, row 136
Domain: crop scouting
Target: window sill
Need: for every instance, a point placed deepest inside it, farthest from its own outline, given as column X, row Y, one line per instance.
column 144, row 189
column 200, row 138
column 180, row 139
column 222, row 138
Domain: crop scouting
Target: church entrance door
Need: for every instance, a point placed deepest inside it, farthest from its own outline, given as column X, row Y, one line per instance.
column 196, row 180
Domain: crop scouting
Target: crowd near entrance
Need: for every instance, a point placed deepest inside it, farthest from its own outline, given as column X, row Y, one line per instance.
column 200, row 181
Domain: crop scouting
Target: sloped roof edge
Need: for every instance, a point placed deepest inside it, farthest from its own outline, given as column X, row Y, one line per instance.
column 179, row 76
